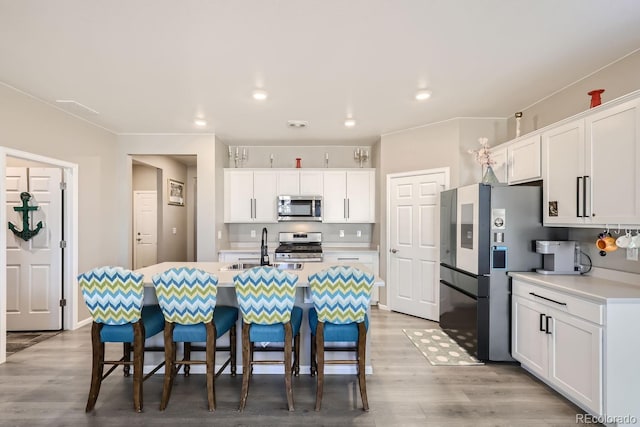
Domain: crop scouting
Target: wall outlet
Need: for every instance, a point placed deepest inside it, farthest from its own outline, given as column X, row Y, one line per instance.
column 341, row 233
column 253, row 234
column 632, row 254
column 359, row 233
column 219, row 234
column 174, row 230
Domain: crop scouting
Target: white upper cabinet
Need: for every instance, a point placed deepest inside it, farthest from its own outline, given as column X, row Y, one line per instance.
column 563, row 151
column 591, row 169
column 311, row 182
column 524, row 160
column 250, row 195
column 499, row 156
column 613, row 163
column 296, row 182
column 349, row 196
column 288, row 182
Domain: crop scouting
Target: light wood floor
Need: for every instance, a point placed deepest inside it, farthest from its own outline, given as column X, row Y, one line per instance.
column 47, row 385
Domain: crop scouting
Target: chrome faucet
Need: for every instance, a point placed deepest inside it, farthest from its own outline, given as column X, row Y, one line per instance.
column 264, row 254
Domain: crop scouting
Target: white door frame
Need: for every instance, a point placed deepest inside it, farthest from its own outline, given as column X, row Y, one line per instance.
column 447, row 183
column 70, row 265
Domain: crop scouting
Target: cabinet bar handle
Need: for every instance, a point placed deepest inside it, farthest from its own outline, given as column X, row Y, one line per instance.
column 348, row 209
column 546, row 325
column 584, row 196
column 548, row 299
column 344, row 208
column 578, row 182
column 348, row 259
column 542, row 317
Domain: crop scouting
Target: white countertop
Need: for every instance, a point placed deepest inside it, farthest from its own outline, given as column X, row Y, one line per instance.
column 225, row 278
column 594, row 288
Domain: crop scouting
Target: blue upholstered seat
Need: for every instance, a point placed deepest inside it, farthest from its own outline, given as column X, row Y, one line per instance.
column 224, row 317
column 152, row 319
column 275, row 333
column 336, row 333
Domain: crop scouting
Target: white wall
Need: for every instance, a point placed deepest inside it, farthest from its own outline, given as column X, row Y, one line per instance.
column 171, row 247
column 443, row 144
column 30, row 125
column 202, row 146
column 617, row 79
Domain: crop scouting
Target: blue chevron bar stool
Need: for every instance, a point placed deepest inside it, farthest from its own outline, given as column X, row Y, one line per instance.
column 187, row 297
column 266, row 299
column 114, row 298
column 341, row 297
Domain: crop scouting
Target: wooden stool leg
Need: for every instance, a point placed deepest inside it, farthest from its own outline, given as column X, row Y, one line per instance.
column 314, row 366
column 246, row 365
column 320, row 363
column 296, row 355
column 138, row 364
column 126, row 357
column 187, row 356
column 288, row 339
column 362, row 352
column 211, row 369
column 169, row 364
column 233, row 349
column 97, row 366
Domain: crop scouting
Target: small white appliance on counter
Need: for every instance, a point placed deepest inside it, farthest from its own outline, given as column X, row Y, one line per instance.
column 558, row 257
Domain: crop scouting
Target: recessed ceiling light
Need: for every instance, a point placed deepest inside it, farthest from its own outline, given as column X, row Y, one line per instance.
column 259, row 94
column 423, row 94
column 297, row 123
column 350, row 123
column 200, row 122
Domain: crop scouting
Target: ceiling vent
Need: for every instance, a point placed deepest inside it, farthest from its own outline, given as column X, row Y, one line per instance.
column 297, row 124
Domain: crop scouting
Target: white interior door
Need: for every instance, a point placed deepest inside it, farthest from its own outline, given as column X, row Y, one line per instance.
column 414, row 235
column 34, row 267
column 145, row 228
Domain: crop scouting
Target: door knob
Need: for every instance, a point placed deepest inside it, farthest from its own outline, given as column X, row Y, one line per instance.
column 393, row 251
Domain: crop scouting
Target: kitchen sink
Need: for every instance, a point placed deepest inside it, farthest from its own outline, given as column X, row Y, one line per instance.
column 238, row 266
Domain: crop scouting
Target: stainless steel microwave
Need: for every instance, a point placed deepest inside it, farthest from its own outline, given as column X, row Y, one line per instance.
column 299, row 208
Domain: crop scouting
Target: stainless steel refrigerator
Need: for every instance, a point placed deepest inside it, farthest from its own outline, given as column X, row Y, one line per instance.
column 485, row 232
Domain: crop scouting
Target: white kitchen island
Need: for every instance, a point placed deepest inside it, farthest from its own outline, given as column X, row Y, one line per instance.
column 226, row 296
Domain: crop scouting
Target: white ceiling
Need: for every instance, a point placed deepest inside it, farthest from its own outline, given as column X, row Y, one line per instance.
column 152, row 66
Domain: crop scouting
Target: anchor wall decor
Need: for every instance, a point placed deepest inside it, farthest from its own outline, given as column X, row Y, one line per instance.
column 25, row 234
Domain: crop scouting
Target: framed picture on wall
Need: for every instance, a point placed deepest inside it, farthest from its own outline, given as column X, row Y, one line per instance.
column 176, row 192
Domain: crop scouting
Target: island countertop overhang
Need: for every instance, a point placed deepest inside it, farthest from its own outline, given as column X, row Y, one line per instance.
column 225, row 277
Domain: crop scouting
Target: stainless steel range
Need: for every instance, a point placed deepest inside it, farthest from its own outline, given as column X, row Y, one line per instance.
column 299, row 247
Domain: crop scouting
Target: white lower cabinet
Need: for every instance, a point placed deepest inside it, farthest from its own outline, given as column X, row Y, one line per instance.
column 367, row 258
column 555, row 337
column 578, row 335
